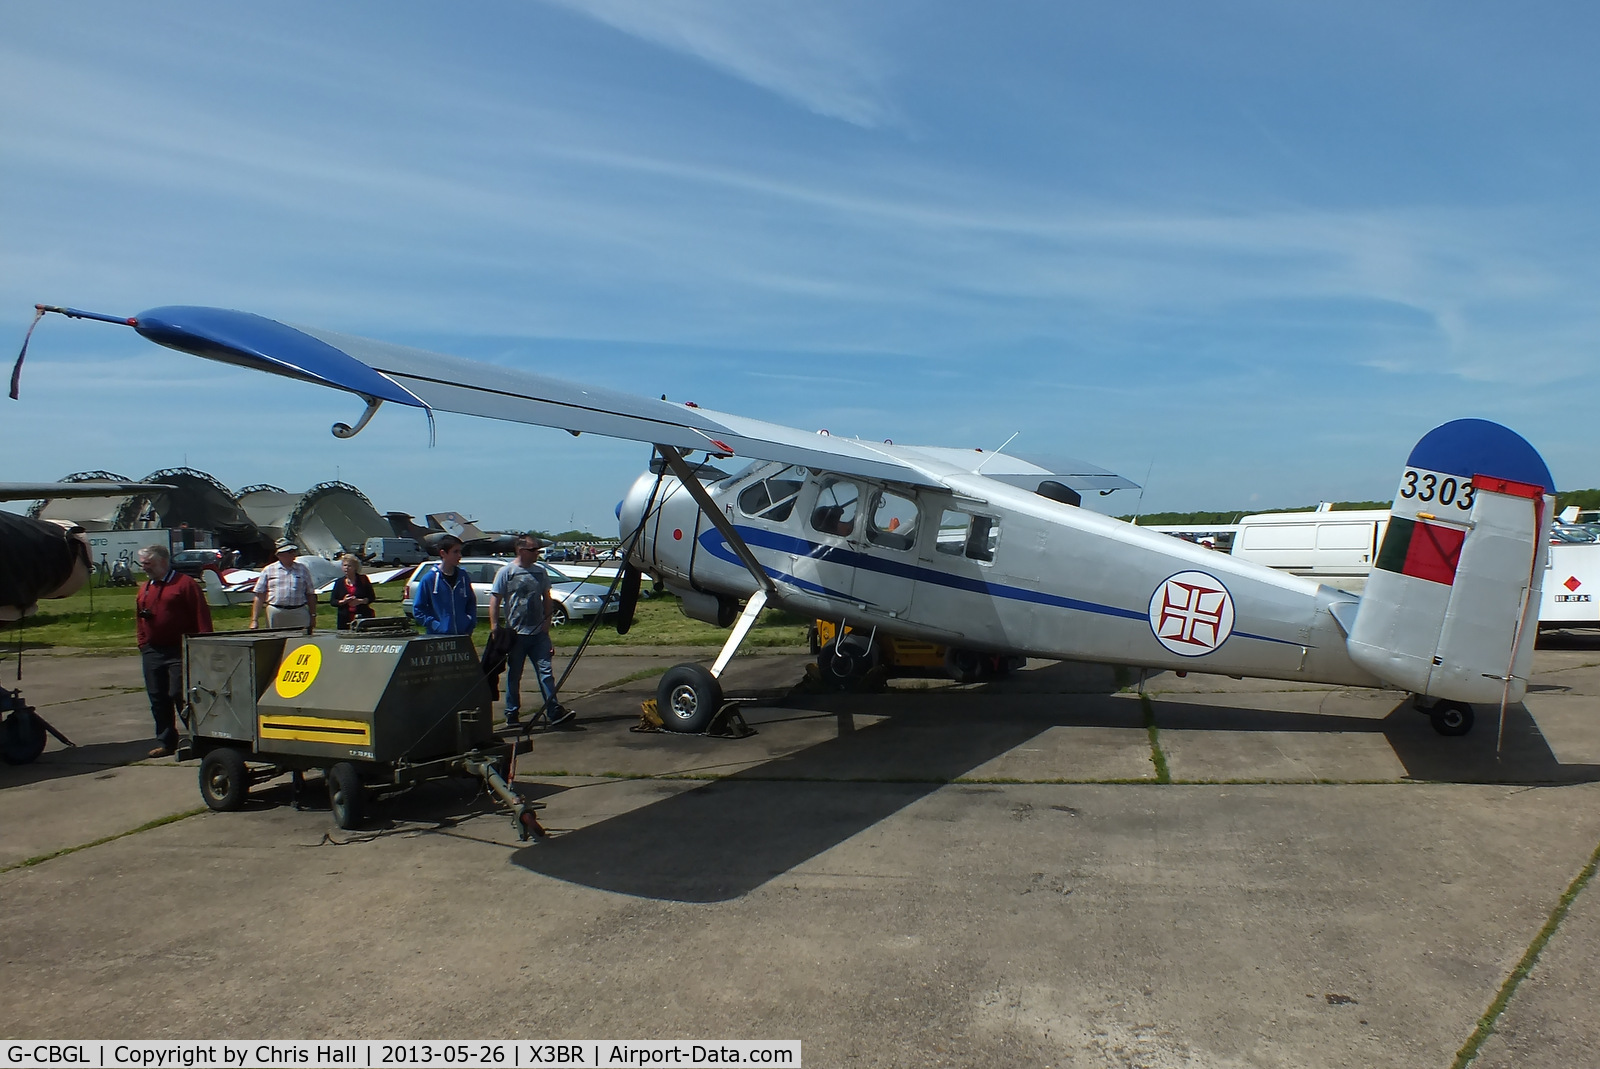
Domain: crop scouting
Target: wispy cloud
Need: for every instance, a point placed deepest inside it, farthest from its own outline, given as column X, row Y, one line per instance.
column 802, row 51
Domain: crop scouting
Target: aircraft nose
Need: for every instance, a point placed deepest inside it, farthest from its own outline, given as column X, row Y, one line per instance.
column 630, row 510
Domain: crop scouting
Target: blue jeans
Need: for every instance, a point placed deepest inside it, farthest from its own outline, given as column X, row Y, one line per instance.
column 535, row 648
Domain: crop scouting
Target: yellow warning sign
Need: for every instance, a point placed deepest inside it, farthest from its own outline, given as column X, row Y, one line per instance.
column 298, row 670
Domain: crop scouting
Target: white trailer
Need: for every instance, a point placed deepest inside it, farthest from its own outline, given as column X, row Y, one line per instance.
column 1572, row 586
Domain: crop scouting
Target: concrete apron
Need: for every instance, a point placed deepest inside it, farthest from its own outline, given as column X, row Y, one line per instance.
column 865, row 875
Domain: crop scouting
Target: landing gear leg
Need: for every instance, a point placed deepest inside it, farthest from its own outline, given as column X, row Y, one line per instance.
column 689, row 697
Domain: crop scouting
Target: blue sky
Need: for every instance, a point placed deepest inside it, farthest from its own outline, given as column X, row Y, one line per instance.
column 1252, row 249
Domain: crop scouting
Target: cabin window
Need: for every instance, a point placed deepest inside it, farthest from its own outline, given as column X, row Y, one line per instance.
column 961, row 534
column 983, row 537
column 835, row 512
column 953, row 528
column 772, row 498
column 894, row 522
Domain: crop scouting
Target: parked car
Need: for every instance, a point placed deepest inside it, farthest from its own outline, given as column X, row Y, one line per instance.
column 193, row 562
column 575, row 600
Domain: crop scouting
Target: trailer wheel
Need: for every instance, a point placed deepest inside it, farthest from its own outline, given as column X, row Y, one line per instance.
column 346, row 797
column 1451, row 718
column 687, row 698
column 21, row 737
column 224, row 782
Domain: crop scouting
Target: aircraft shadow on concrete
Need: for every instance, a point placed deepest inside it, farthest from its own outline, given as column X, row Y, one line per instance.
column 721, row 840
column 59, row 762
column 1522, row 758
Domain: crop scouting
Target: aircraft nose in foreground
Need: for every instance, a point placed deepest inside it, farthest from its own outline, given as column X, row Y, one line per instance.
column 630, row 510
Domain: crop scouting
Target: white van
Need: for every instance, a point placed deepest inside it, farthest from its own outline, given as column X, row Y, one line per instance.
column 1336, row 548
column 394, row 551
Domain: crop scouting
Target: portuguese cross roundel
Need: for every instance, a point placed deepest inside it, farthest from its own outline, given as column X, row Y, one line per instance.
column 1191, row 613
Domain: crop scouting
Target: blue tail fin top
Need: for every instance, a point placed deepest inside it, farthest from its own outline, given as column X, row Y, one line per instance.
column 1468, row 447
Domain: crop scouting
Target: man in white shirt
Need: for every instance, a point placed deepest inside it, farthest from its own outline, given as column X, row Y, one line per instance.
column 287, row 591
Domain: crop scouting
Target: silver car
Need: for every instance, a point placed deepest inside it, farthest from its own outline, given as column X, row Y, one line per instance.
column 575, row 600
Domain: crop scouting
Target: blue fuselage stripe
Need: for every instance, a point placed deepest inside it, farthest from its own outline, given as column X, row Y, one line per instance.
column 713, row 543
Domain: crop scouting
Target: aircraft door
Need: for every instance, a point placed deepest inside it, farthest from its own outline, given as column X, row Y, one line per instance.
column 827, row 565
column 885, row 544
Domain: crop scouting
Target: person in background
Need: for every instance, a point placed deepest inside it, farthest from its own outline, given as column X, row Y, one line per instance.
column 169, row 606
column 520, row 599
column 352, row 595
column 445, row 603
column 287, row 590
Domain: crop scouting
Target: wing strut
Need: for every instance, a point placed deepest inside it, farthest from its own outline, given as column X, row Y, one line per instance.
column 677, row 465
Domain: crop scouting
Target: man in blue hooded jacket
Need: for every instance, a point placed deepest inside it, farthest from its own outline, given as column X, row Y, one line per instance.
column 444, row 603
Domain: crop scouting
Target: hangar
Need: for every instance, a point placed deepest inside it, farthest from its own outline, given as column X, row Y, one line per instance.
column 322, row 521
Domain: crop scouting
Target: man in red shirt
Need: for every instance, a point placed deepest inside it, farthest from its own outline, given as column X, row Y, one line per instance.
column 170, row 606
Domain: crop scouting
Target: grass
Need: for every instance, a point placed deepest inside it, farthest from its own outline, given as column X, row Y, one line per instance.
column 1530, row 958
column 103, row 619
column 147, row 826
column 1158, row 756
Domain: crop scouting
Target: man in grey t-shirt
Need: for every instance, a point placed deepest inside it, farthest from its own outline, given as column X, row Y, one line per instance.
column 520, row 601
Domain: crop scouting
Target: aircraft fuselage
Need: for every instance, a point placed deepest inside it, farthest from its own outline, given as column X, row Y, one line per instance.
column 985, row 566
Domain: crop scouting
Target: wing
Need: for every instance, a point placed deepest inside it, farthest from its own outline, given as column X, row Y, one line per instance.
column 380, row 371
column 47, row 491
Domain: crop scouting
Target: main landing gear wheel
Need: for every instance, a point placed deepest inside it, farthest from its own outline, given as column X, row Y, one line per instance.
column 844, row 665
column 687, row 698
column 1451, row 718
column 346, row 796
column 224, row 781
column 967, row 666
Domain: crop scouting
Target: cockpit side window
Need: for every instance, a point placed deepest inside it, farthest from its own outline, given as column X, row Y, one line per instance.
column 894, row 521
column 772, row 498
column 962, row 534
column 835, row 511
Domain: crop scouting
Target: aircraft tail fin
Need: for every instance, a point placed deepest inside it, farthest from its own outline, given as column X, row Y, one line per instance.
column 216, row 593
column 1452, row 606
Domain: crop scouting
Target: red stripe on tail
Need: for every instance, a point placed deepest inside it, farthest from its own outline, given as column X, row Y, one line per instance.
column 1507, row 486
column 1433, row 553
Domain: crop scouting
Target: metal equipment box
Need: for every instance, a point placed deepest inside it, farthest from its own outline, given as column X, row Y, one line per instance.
column 383, row 698
column 225, row 673
column 315, row 700
column 376, row 712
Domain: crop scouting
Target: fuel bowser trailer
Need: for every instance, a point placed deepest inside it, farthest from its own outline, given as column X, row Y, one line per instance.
column 375, row 711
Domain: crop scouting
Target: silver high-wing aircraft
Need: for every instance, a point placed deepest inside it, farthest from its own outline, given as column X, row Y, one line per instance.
column 986, row 553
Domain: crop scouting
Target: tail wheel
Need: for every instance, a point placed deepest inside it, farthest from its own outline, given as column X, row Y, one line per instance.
column 1451, row 718
column 224, row 780
column 346, row 796
column 687, row 698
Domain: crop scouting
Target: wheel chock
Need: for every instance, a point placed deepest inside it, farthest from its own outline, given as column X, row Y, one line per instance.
column 729, row 723
column 649, row 718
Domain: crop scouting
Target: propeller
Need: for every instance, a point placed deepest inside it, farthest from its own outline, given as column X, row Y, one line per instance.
column 629, row 597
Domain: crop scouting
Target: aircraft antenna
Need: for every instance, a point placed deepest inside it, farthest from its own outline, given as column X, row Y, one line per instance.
column 1139, row 504
column 991, row 456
